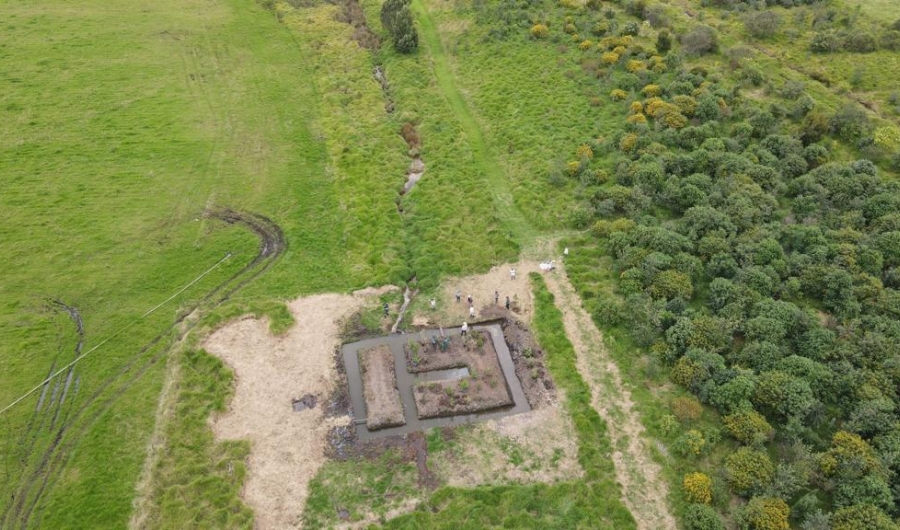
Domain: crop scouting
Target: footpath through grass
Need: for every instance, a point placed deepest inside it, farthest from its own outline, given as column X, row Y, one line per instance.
column 485, row 162
column 589, row 503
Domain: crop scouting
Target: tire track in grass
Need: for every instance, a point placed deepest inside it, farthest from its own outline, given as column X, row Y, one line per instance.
column 498, row 186
column 77, row 422
column 644, row 490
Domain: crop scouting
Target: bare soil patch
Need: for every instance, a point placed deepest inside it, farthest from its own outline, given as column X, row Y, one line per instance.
column 484, row 389
column 482, row 288
column 383, row 406
column 288, row 447
column 529, row 361
column 537, row 446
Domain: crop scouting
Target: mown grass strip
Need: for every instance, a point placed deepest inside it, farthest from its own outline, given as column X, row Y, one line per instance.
column 443, row 74
column 590, row 503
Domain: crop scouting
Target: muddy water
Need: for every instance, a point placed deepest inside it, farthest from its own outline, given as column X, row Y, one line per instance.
column 406, row 380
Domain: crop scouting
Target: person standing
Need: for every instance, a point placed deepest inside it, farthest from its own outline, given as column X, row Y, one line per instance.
column 465, row 329
column 458, row 296
column 433, row 304
column 385, row 308
column 512, row 274
column 496, row 297
column 471, row 311
column 507, row 303
column 469, row 298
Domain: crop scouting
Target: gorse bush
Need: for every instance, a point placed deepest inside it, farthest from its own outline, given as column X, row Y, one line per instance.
column 697, row 488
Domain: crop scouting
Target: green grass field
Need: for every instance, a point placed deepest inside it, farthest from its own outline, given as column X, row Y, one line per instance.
column 126, row 127
column 121, row 126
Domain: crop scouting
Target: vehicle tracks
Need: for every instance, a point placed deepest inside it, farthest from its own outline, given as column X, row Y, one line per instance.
column 71, row 419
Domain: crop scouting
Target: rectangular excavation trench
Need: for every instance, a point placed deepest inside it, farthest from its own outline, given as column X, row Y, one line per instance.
column 406, row 380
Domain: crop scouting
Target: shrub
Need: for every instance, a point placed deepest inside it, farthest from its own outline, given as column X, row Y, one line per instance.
column 398, row 21
column 636, row 65
column 700, row 40
column 748, row 471
column 826, row 42
column 585, row 45
column 748, row 427
column 765, row 513
column 636, row 119
column 600, row 28
column 691, row 443
column 628, row 142
column 762, row 24
column 887, row 138
column 609, row 58
column 860, row 42
column 663, row 42
column 890, row 40
column 540, row 31
column 631, row 28
column 701, row 517
column 697, row 488
column 651, row 90
column 850, row 122
column 861, row 517
column 672, row 284
column 686, row 409
column 584, row 151
column 618, row 94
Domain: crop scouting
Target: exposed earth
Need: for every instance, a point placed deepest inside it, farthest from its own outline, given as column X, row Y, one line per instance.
column 484, row 389
column 383, row 406
column 288, row 447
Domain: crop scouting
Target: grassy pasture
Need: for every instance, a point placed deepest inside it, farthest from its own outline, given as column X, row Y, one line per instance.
column 120, row 125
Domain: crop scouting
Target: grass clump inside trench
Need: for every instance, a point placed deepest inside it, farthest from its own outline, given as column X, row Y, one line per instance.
column 593, row 502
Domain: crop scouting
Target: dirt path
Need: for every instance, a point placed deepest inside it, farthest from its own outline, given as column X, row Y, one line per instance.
column 287, row 446
column 644, row 491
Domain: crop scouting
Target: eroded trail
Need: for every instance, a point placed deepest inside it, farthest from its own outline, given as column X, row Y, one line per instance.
column 644, row 491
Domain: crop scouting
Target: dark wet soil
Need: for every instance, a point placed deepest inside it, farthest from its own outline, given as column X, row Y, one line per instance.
column 353, row 14
column 530, row 363
column 306, row 402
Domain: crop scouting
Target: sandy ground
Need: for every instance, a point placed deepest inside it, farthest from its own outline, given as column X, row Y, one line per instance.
column 383, row 407
column 644, row 491
column 287, row 447
column 544, row 439
column 482, row 288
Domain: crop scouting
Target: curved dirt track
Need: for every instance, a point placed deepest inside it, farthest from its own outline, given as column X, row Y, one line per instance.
column 287, row 447
column 644, row 490
column 22, row 509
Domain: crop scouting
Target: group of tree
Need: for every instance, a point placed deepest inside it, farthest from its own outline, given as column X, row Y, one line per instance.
column 759, row 267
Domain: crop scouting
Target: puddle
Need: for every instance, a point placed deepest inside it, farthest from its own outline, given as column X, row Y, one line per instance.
column 406, row 381
column 306, row 402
